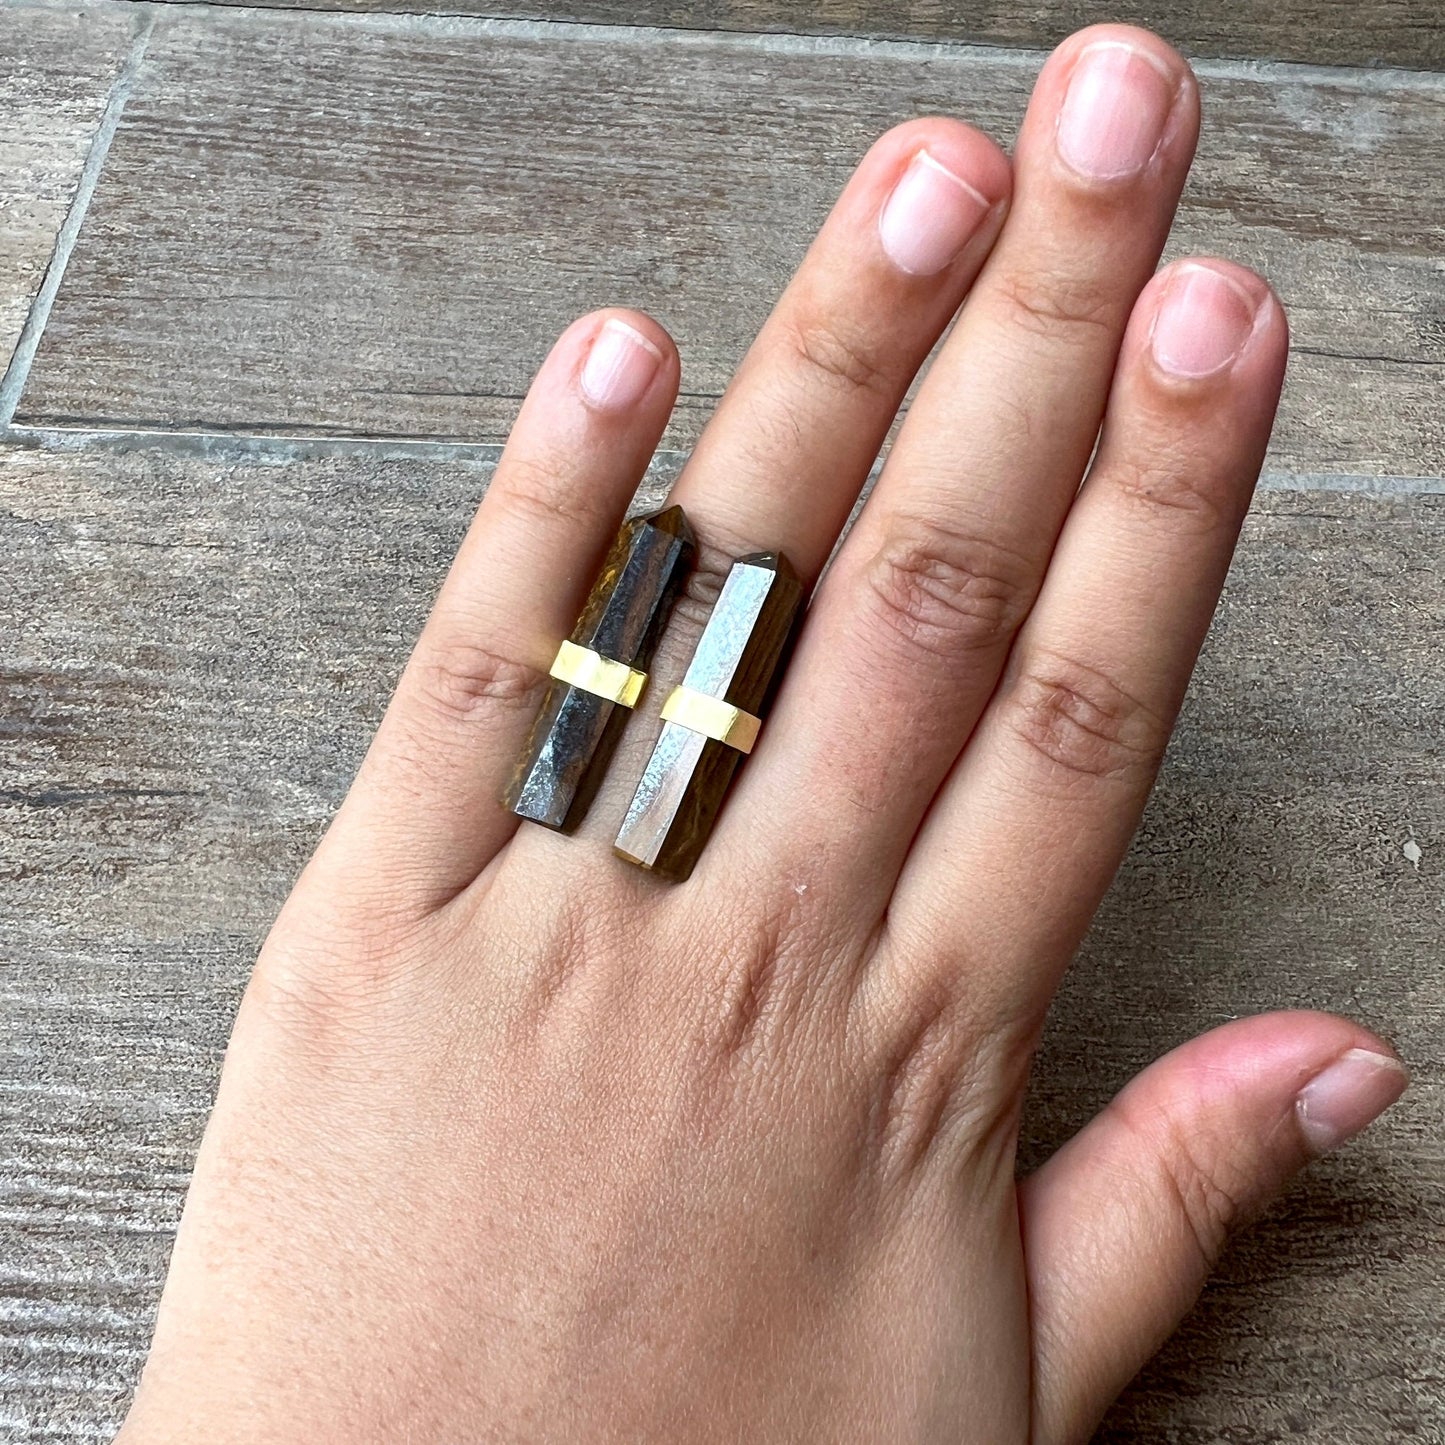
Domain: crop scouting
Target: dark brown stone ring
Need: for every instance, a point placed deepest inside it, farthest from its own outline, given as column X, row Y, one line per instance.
column 600, row 672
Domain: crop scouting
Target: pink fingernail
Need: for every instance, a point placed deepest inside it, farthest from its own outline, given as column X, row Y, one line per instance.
column 1347, row 1096
column 1114, row 111
column 930, row 217
column 620, row 367
column 1203, row 321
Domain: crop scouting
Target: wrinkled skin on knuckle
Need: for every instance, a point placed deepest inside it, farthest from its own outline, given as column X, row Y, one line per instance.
column 542, row 491
column 775, row 964
column 336, row 983
column 823, row 351
column 945, row 594
column 919, row 1076
column 457, row 678
column 1082, row 723
column 704, row 582
column 1058, row 306
column 1211, row 1198
column 1169, row 491
column 947, row 1076
column 578, row 948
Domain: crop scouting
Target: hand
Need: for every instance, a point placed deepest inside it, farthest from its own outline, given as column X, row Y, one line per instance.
column 515, row 1142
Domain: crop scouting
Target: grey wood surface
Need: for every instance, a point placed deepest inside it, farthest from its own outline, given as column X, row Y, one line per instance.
column 56, row 71
column 1331, row 32
column 329, row 223
column 311, row 224
column 201, row 643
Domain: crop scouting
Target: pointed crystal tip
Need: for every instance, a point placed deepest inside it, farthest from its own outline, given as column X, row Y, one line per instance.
column 769, row 562
column 672, row 522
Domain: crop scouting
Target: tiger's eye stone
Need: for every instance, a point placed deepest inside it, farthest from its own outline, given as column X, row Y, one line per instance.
column 576, row 731
column 739, row 659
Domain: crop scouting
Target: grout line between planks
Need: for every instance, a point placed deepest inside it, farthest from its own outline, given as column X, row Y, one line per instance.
column 228, row 446
column 445, row 22
column 17, row 373
column 281, row 449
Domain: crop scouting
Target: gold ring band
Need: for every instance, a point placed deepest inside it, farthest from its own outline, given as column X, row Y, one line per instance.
column 712, row 717
column 589, row 670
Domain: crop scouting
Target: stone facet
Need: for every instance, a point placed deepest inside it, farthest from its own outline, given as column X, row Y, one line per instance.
column 576, row 731
column 739, row 660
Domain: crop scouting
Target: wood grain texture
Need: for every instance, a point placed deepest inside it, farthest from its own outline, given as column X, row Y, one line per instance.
column 197, row 646
column 375, row 225
column 1329, row 32
column 56, row 71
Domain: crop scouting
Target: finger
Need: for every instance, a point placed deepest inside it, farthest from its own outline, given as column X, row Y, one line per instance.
column 1046, row 796
column 1122, row 1226
column 914, row 620
column 425, row 815
column 782, row 461
column 780, row 465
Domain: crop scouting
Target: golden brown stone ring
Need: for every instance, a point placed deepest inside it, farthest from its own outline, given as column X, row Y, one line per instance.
column 712, row 719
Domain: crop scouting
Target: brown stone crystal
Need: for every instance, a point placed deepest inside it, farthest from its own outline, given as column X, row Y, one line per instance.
column 738, row 659
column 576, row 731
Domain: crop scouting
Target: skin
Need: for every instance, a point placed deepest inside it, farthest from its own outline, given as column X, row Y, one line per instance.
column 515, row 1142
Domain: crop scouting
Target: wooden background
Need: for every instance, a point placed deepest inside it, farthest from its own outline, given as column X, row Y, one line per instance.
column 271, row 285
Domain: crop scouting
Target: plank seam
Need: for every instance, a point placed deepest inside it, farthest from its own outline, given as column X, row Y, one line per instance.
column 17, row 373
column 281, row 449
column 445, row 22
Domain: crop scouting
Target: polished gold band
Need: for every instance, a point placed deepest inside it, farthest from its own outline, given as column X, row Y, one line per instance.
column 589, row 670
column 712, row 717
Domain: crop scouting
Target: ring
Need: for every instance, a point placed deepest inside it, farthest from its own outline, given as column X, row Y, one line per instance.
column 586, row 668
column 712, row 717
column 599, row 673
column 711, row 721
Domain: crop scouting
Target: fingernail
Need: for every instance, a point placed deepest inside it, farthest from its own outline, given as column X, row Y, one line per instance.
column 620, row 367
column 1203, row 321
column 930, row 217
column 1114, row 111
column 1351, row 1093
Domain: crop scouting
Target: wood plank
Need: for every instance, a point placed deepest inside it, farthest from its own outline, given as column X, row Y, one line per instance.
column 374, row 225
column 1326, row 32
column 56, row 71
column 199, row 642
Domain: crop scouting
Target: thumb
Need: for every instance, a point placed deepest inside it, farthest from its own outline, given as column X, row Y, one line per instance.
column 1123, row 1224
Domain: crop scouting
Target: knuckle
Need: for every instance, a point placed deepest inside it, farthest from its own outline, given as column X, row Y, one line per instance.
column 713, row 562
column 1082, row 722
column 1056, row 307
column 756, row 1003
column 1208, row 1203
column 456, row 679
column 915, row 1088
column 544, row 491
column 823, row 350
column 776, row 977
column 1169, row 493
column 574, row 947
column 932, row 1096
column 336, row 988
column 948, row 592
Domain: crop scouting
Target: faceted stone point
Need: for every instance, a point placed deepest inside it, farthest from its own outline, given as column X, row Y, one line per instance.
column 576, row 732
column 739, row 658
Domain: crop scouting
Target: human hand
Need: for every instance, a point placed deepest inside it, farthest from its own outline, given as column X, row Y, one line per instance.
column 517, row 1143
